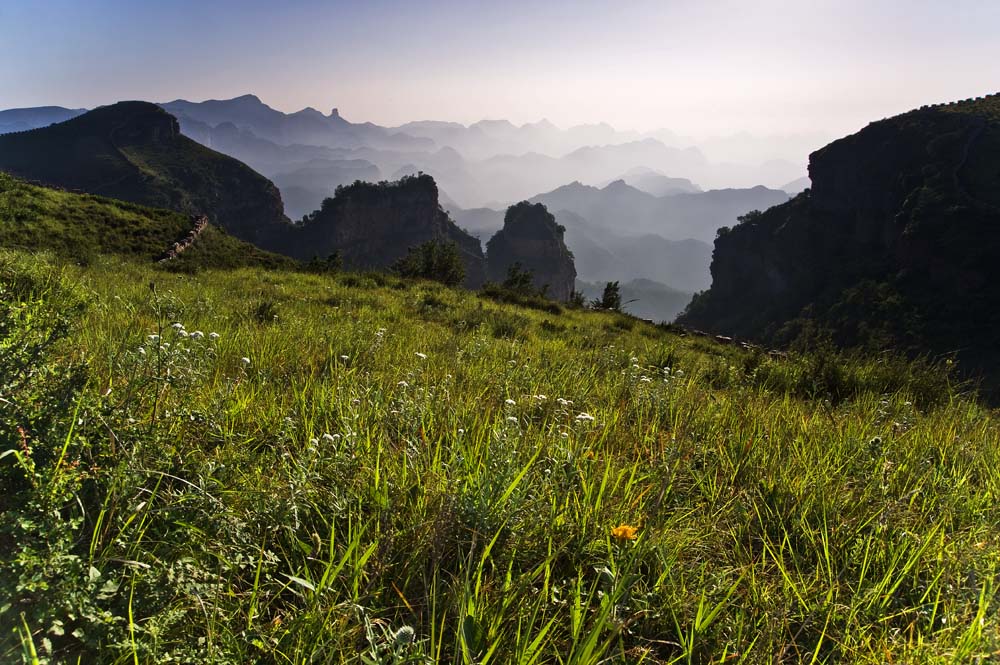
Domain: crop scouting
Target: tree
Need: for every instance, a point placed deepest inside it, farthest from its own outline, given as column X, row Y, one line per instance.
column 610, row 299
column 436, row 260
column 332, row 263
column 519, row 280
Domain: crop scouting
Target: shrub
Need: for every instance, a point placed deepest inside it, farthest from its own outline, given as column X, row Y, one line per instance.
column 265, row 311
column 435, row 260
column 610, row 299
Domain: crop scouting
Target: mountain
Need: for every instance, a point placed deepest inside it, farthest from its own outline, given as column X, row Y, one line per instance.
column 653, row 182
column 80, row 226
column 491, row 163
column 531, row 237
column 134, row 151
column 373, row 225
column 305, row 188
column 602, row 252
column 22, row 120
column 488, row 138
column 623, row 209
column 266, row 157
column 796, row 186
column 894, row 245
column 307, row 126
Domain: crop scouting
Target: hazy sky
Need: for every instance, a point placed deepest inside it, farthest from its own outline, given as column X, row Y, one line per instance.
column 696, row 67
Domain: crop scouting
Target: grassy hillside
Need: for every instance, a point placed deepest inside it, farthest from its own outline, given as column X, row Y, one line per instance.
column 357, row 468
column 80, row 226
column 134, row 151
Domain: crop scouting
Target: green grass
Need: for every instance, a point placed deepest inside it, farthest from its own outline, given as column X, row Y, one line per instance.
column 82, row 226
column 366, row 469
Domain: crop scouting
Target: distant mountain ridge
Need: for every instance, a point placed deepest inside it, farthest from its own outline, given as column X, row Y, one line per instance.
column 623, row 208
column 308, row 126
column 22, row 120
column 488, row 163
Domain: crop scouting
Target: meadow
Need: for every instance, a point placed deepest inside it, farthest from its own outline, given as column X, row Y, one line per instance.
column 265, row 466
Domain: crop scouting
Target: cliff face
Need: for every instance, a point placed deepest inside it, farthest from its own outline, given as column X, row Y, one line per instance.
column 896, row 244
column 134, row 151
column 373, row 225
column 531, row 237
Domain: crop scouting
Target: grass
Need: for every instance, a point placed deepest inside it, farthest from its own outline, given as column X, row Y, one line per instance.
column 386, row 471
column 82, row 226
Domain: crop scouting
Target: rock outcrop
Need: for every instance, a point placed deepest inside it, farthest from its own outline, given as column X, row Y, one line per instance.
column 896, row 244
column 134, row 151
column 531, row 237
column 373, row 225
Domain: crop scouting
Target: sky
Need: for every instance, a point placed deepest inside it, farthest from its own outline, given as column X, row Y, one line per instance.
column 699, row 68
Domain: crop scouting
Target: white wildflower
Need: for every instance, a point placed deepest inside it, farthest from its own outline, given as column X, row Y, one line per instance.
column 177, row 326
column 213, row 335
column 153, row 338
column 197, row 334
column 182, row 332
column 329, row 437
column 403, row 384
column 422, row 356
column 584, row 417
column 403, row 636
column 509, row 402
column 142, row 351
column 512, row 419
column 345, row 358
column 245, row 360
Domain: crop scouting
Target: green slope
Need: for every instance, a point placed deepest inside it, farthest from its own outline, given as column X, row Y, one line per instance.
column 397, row 470
column 134, row 151
column 80, row 226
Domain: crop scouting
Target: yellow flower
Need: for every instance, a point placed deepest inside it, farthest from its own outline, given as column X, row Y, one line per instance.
column 625, row 532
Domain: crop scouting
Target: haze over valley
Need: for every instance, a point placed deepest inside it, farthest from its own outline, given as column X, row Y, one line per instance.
column 632, row 204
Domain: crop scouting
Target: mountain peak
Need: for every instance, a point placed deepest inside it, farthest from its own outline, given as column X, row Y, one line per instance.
column 308, row 112
column 248, row 98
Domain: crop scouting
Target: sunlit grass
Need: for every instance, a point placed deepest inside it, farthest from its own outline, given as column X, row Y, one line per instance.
column 367, row 469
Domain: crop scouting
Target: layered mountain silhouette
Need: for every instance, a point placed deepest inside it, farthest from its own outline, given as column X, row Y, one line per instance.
column 308, row 126
column 894, row 245
column 619, row 233
column 621, row 207
column 653, row 182
column 134, row 151
column 22, row 120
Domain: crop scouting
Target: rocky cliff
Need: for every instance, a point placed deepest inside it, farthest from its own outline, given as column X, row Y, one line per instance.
column 896, row 244
column 530, row 236
column 373, row 225
column 134, row 151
